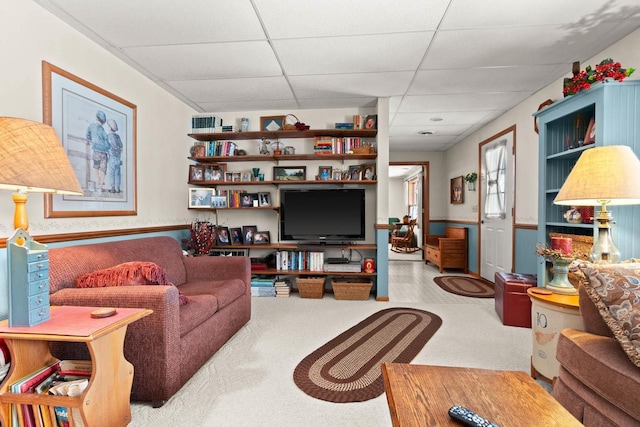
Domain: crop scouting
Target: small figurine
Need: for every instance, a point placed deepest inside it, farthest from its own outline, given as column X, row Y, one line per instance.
column 573, row 215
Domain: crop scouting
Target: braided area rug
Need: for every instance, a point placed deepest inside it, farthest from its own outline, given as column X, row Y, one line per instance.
column 348, row 368
column 466, row 286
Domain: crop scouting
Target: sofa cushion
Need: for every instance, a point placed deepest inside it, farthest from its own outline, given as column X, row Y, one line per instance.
column 615, row 291
column 225, row 291
column 199, row 309
column 127, row 274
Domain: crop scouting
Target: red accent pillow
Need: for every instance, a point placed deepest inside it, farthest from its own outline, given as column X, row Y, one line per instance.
column 127, row 274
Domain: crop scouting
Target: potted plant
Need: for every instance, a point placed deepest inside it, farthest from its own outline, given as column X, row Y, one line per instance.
column 471, row 178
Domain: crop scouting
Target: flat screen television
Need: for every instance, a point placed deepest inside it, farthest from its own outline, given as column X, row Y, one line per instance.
column 320, row 215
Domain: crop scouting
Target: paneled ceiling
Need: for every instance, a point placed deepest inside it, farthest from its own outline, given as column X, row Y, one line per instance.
column 448, row 66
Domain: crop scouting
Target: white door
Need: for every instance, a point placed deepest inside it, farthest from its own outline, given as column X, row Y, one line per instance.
column 496, row 206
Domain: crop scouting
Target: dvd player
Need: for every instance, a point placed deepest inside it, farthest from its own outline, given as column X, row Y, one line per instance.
column 340, row 260
column 354, row 267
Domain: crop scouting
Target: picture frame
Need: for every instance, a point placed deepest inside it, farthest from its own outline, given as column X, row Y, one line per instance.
column 336, row 174
column 200, row 198
column 223, row 238
column 215, row 172
column 370, row 121
column 247, row 199
column 237, row 176
column 368, row 171
column 457, row 190
column 236, row 235
column 264, row 199
column 73, row 107
column 355, row 172
column 272, row 123
column 196, row 173
column 261, row 238
column 248, row 231
column 324, row 173
column 246, row 176
column 228, row 176
column 289, row 173
column 219, row 201
column 590, row 135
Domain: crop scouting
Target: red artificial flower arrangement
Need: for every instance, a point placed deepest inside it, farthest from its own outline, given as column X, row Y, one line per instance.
column 607, row 69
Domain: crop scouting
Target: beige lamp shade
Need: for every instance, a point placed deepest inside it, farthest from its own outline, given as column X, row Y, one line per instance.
column 32, row 159
column 603, row 175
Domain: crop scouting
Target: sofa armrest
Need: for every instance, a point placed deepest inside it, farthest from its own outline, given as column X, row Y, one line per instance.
column 218, row 268
column 152, row 344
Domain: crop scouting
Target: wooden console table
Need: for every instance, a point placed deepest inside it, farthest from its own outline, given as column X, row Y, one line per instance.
column 105, row 401
column 421, row 395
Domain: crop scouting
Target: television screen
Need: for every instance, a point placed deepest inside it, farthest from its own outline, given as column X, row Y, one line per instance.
column 322, row 214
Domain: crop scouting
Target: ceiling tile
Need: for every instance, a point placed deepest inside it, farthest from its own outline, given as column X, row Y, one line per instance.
column 448, row 118
column 250, row 105
column 458, row 102
column 140, row 23
column 234, row 90
column 365, row 54
column 321, row 103
column 347, row 85
column 214, row 60
column 448, row 130
column 313, row 18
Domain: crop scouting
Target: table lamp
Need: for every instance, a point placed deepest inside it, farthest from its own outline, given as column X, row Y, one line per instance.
column 32, row 160
column 603, row 176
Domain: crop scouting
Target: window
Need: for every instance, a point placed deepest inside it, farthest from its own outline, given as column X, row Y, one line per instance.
column 495, row 160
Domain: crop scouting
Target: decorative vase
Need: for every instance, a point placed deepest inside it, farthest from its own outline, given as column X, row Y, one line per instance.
column 471, row 185
column 560, row 283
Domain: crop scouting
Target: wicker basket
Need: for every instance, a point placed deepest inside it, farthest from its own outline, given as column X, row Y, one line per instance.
column 310, row 287
column 351, row 289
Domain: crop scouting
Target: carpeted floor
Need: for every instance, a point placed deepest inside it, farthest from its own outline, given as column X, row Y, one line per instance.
column 249, row 382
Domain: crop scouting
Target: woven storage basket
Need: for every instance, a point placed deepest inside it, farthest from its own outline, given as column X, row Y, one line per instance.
column 310, row 287
column 351, row 289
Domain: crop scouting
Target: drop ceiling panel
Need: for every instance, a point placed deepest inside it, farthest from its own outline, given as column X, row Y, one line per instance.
column 351, row 85
column 208, row 60
column 313, row 18
column 140, row 23
column 234, row 90
column 335, row 55
column 250, row 105
column 458, row 102
column 448, row 130
column 448, row 118
column 321, row 103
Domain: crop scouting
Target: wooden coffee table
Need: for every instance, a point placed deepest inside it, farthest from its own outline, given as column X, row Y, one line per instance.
column 421, row 395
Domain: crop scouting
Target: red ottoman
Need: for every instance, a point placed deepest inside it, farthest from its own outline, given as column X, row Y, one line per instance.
column 512, row 302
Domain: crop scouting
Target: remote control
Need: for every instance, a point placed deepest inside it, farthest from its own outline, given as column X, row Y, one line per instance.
column 469, row 418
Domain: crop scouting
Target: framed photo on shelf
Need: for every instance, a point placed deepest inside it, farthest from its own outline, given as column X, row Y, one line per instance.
column 457, row 190
column 200, row 197
column 371, row 121
column 237, row 176
column 354, row 173
column 81, row 113
column 215, row 171
column 272, row 123
column 261, row 238
column 218, row 201
column 248, row 231
column 336, row 174
column 289, row 173
column 236, row 235
column 228, row 176
column 368, row 171
column 590, row 136
column 247, row 199
column 246, row 175
column 324, row 172
column 196, row 173
column 264, row 199
column 223, row 238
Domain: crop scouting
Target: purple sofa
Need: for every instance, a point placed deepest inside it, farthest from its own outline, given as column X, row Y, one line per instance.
column 169, row 346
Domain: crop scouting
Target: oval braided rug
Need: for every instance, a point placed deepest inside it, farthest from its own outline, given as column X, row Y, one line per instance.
column 348, row 368
column 466, row 286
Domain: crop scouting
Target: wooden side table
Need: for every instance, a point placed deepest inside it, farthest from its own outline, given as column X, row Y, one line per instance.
column 549, row 315
column 105, row 401
column 421, row 395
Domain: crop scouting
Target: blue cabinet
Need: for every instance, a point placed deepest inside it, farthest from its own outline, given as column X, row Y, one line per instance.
column 615, row 110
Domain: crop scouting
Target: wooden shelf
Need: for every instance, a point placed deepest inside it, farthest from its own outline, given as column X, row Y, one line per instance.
column 273, row 272
column 285, row 134
column 274, row 158
column 272, row 208
column 296, row 246
column 277, row 183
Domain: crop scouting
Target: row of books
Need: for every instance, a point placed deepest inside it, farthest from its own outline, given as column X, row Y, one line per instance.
column 205, row 123
column 336, row 145
column 62, row 378
column 217, row 148
column 263, row 286
column 299, row 261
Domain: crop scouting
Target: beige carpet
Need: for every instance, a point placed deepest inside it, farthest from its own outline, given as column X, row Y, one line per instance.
column 249, row 381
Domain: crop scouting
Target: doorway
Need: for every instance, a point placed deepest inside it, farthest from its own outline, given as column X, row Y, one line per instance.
column 409, row 195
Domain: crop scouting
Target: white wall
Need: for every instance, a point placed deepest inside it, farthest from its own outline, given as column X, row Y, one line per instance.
column 28, row 35
column 463, row 157
column 397, row 206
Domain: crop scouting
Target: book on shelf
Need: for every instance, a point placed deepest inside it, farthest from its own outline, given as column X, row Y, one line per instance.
column 283, row 288
column 299, row 260
column 205, row 123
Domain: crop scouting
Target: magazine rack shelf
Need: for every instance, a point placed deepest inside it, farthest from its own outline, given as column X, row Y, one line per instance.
column 105, row 401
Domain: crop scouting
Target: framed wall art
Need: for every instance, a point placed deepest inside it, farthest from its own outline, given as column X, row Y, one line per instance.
column 201, row 197
column 457, row 190
column 98, row 132
column 272, row 123
column 289, row 173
